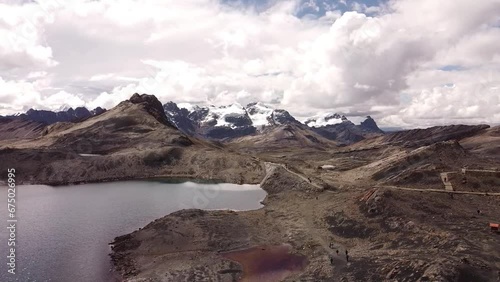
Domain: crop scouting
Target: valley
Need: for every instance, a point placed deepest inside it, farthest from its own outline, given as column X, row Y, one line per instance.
column 396, row 202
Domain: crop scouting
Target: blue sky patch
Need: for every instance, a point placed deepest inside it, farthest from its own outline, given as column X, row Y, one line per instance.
column 452, row 68
column 310, row 8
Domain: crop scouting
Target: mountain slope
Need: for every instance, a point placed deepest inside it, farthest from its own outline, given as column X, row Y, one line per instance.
column 415, row 138
column 486, row 142
column 283, row 137
column 132, row 140
column 422, row 137
column 19, row 128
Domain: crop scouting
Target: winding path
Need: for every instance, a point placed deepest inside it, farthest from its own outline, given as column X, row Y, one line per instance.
column 270, row 168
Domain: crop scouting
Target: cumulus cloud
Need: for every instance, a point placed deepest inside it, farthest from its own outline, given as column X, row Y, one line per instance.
column 406, row 63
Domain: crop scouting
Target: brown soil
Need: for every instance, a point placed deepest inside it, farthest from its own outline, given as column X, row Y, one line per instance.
column 267, row 263
column 390, row 235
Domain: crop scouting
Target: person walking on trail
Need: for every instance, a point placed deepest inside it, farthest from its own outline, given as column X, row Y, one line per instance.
column 346, row 255
column 337, row 252
column 331, row 260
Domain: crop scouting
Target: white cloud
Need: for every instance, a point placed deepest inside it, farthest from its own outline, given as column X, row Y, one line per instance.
column 98, row 53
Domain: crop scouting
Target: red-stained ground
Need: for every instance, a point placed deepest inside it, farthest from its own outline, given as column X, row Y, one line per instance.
column 267, row 263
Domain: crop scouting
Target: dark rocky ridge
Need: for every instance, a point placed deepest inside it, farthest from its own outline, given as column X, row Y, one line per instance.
column 180, row 117
column 152, row 106
column 370, row 125
column 50, row 117
column 423, row 137
column 284, row 117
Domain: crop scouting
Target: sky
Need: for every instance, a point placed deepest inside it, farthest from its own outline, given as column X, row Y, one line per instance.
column 406, row 63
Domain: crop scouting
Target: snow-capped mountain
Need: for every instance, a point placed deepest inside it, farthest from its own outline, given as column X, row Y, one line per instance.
column 338, row 127
column 325, row 119
column 225, row 121
column 263, row 116
column 235, row 120
column 233, row 116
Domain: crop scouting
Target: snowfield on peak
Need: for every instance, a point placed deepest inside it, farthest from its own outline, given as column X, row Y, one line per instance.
column 324, row 120
column 234, row 121
column 187, row 106
column 259, row 114
column 220, row 114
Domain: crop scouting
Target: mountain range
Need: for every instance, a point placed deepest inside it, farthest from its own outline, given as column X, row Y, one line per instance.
column 227, row 122
column 235, row 121
column 69, row 115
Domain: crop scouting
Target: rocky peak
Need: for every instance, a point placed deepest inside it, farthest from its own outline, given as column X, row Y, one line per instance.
column 284, row 117
column 370, row 125
column 97, row 111
column 152, row 106
column 171, row 107
column 81, row 112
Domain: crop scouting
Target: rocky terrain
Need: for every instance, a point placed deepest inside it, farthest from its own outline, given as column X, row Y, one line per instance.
column 486, row 142
column 415, row 138
column 19, row 128
column 390, row 234
column 382, row 199
column 406, row 206
column 132, row 140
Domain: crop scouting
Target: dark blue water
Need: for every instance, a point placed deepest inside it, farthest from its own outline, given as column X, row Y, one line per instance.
column 63, row 232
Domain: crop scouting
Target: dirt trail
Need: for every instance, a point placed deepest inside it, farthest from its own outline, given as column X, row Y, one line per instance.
column 479, row 170
column 304, row 225
column 446, row 181
column 440, row 191
column 270, row 167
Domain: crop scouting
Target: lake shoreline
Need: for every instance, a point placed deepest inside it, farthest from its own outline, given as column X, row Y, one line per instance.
column 194, row 240
column 174, row 178
column 81, row 221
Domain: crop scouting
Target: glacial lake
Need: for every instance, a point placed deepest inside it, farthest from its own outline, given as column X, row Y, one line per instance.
column 63, row 232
